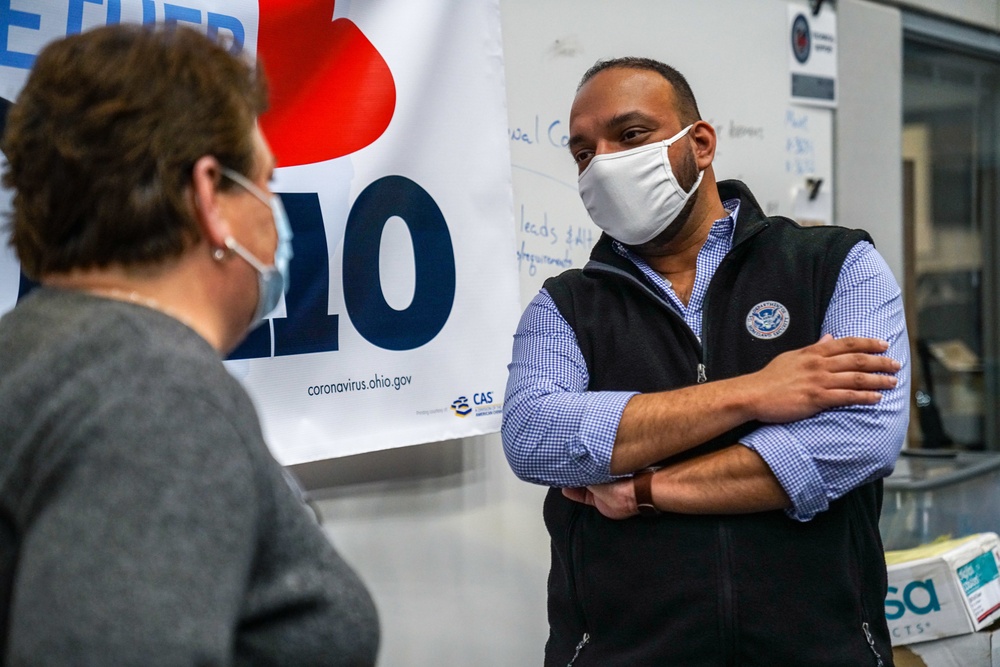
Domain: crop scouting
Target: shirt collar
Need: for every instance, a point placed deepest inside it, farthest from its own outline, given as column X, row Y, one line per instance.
column 723, row 228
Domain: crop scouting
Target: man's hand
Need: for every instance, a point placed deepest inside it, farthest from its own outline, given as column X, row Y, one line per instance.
column 798, row 384
column 615, row 500
column 695, row 486
column 831, row 373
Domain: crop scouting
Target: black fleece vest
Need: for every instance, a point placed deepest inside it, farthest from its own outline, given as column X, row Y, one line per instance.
column 755, row 589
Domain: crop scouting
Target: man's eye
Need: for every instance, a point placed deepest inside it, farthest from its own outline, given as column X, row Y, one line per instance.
column 582, row 156
column 632, row 135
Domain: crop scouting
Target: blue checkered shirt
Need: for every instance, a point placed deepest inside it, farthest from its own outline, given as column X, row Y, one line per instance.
column 557, row 433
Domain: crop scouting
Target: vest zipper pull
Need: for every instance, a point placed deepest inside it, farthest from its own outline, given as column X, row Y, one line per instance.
column 701, row 374
column 579, row 647
column 871, row 644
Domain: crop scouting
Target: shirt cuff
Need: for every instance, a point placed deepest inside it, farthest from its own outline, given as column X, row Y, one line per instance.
column 595, row 439
column 794, row 469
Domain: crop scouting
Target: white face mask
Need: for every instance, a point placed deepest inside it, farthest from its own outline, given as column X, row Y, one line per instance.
column 634, row 195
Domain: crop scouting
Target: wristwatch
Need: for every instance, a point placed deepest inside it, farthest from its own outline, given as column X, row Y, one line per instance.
column 642, row 484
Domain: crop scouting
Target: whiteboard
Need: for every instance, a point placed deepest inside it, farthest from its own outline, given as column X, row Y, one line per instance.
column 735, row 55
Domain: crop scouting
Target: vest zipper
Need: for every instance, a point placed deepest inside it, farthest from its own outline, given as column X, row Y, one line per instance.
column 705, row 311
column 871, row 645
column 703, row 365
column 699, row 344
column 579, row 647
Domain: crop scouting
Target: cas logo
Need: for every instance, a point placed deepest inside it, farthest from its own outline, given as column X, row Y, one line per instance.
column 918, row 597
column 460, row 406
column 483, row 402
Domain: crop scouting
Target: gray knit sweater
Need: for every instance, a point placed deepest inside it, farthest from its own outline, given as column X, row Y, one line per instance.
column 142, row 519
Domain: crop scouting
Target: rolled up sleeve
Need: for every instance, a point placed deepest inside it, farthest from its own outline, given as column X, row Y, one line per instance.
column 819, row 459
column 554, row 431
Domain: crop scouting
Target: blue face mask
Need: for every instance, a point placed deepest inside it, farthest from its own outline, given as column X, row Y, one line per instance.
column 272, row 280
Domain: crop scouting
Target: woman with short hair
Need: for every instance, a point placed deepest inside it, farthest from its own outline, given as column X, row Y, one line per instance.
column 142, row 519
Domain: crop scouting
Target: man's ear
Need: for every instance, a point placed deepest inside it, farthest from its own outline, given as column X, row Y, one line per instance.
column 206, row 202
column 703, row 136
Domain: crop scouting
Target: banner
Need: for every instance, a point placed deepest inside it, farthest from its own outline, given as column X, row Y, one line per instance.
column 388, row 121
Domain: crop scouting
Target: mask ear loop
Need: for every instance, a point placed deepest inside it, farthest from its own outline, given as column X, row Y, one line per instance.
column 701, row 172
column 233, row 245
column 247, row 185
column 677, row 137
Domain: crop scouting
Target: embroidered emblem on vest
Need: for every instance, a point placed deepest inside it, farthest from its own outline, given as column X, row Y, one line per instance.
column 768, row 319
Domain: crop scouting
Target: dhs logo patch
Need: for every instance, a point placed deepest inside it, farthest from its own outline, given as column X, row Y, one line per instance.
column 801, row 39
column 767, row 320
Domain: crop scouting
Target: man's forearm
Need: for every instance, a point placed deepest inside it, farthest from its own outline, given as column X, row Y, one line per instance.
column 657, row 426
column 733, row 480
column 795, row 385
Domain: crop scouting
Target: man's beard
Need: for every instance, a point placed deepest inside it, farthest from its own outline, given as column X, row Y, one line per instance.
column 687, row 176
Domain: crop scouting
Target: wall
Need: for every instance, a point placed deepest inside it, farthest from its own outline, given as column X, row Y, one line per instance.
column 869, row 126
column 451, row 545
column 763, row 139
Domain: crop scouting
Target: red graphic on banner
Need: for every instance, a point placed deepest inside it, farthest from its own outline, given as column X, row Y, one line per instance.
column 331, row 92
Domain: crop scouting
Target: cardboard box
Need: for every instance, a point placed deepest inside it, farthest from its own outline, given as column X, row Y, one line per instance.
column 977, row 649
column 944, row 589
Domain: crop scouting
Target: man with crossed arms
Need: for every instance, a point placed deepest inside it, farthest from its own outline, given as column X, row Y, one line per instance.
column 713, row 399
